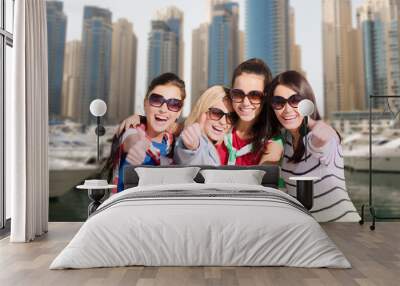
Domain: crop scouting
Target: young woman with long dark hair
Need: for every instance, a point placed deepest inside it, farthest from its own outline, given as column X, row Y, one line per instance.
column 252, row 139
column 325, row 156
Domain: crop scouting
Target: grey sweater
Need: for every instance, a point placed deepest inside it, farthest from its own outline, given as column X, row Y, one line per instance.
column 206, row 154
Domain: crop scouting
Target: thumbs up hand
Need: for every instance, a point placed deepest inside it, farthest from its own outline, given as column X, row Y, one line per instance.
column 321, row 132
column 138, row 147
column 191, row 134
column 131, row 121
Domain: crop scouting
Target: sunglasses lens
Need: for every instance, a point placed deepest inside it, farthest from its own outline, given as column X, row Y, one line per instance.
column 278, row 102
column 294, row 100
column 237, row 95
column 174, row 104
column 215, row 113
column 255, row 96
column 156, row 100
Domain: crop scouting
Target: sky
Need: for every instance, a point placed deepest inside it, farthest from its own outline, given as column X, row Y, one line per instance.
column 308, row 32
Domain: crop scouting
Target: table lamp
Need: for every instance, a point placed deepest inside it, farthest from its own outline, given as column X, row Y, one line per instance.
column 98, row 108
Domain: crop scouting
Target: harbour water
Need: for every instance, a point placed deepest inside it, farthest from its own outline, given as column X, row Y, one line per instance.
column 72, row 205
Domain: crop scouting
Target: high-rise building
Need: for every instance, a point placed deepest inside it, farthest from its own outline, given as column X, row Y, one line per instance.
column 174, row 19
column 165, row 51
column 223, row 43
column 358, row 70
column 123, row 71
column 199, row 62
column 96, row 58
column 267, row 33
column 295, row 49
column 379, row 25
column 242, row 46
column 340, row 87
column 71, row 97
column 134, row 68
column 56, row 32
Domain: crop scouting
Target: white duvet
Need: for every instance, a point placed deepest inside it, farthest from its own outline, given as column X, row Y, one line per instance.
column 225, row 225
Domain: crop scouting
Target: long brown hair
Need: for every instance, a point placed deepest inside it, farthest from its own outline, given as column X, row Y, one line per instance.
column 261, row 130
column 298, row 83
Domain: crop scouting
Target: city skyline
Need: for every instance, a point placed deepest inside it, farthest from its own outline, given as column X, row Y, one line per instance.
column 308, row 32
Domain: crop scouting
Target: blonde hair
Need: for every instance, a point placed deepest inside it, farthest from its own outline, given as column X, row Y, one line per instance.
column 210, row 97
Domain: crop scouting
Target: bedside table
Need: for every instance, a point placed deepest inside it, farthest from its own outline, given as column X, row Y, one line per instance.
column 305, row 190
column 98, row 191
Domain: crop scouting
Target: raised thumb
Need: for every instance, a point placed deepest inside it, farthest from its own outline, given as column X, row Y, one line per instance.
column 141, row 133
column 147, row 143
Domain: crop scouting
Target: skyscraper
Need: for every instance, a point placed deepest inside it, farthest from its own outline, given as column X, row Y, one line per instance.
column 123, row 71
column 165, row 51
column 71, row 97
column 267, row 33
column 174, row 19
column 96, row 57
column 340, row 88
column 199, row 62
column 56, row 32
column 242, row 46
column 295, row 49
column 223, row 43
column 379, row 24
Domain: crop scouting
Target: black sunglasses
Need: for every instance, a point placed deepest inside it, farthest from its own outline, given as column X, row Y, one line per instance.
column 254, row 96
column 158, row 100
column 279, row 102
column 216, row 114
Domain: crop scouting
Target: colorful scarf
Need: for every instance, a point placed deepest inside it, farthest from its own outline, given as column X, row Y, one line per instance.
column 232, row 151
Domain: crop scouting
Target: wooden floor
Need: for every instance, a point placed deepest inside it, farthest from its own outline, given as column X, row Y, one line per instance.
column 374, row 255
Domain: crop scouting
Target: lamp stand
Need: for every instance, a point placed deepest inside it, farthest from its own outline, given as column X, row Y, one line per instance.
column 100, row 131
column 98, row 139
column 305, row 137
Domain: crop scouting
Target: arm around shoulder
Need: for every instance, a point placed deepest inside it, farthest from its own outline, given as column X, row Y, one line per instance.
column 272, row 153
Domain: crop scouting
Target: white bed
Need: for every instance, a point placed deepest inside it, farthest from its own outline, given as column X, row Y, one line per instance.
column 203, row 225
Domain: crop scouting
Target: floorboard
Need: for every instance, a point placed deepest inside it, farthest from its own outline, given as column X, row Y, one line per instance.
column 374, row 255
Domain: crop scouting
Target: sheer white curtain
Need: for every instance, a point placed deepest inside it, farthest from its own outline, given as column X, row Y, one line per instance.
column 27, row 124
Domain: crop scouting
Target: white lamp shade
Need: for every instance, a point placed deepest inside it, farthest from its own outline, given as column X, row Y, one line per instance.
column 98, row 107
column 306, row 107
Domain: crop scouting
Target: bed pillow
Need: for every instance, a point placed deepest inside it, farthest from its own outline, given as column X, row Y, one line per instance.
column 248, row 177
column 166, row 176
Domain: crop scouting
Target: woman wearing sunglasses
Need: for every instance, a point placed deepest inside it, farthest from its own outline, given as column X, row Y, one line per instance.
column 325, row 159
column 251, row 141
column 204, row 129
column 151, row 143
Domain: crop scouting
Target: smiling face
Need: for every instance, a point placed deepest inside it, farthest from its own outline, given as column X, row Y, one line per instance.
column 159, row 119
column 248, row 82
column 288, row 116
column 216, row 129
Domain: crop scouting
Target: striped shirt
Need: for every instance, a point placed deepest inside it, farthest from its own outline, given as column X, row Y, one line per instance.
column 331, row 200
